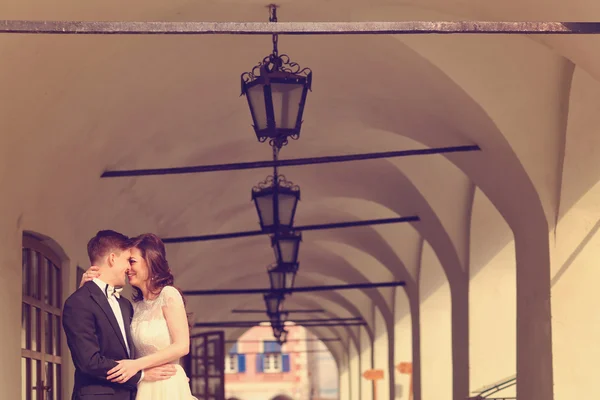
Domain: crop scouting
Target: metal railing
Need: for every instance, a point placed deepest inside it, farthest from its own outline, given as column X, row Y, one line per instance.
column 488, row 390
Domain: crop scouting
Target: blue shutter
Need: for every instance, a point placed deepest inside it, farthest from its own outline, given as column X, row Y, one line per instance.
column 285, row 362
column 241, row 359
column 259, row 363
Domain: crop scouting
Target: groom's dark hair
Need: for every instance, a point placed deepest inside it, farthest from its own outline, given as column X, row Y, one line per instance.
column 104, row 243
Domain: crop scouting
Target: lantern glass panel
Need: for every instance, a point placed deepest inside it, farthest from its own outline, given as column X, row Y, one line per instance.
column 286, row 103
column 273, row 304
column 264, row 204
column 256, row 97
column 277, row 278
column 285, row 248
column 287, row 207
column 289, row 279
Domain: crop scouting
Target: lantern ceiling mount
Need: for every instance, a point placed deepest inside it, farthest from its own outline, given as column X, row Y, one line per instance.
column 276, row 90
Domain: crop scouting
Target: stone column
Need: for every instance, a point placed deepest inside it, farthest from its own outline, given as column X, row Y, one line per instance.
column 534, row 328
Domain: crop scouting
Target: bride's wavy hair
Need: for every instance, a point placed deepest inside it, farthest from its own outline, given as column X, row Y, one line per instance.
column 154, row 253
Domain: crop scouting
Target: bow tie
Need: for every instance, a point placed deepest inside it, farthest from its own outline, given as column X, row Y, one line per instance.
column 112, row 291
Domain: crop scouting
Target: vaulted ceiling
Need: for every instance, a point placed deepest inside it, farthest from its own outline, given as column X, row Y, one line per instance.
column 74, row 106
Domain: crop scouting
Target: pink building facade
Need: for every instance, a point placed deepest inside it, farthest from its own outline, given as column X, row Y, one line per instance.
column 256, row 368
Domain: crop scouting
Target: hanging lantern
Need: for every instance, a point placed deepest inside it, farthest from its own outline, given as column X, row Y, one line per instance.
column 282, row 276
column 286, row 246
column 274, row 303
column 276, row 200
column 276, row 91
column 278, row 319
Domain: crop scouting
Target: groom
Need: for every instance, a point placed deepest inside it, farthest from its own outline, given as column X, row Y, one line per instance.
column 96, row 320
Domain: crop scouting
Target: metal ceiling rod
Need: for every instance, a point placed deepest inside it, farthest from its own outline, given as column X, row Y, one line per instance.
column 307, row 311
column 293, row 162
column 289, row 340
column 334, row 225
column 308, row 324
column 295, row 321
column 294, row 290
column 296, row 28
column 287, row 351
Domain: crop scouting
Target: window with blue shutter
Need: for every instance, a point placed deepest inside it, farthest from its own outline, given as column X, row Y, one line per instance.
column 285, row 363
column 259, row 362
column 234, row 362
column 241, row 363
column 271, row 357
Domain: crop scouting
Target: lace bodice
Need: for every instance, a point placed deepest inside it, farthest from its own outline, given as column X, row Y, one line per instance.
column 149, row 329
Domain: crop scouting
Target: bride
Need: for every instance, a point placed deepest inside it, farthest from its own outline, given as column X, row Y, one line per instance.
column 159, row 327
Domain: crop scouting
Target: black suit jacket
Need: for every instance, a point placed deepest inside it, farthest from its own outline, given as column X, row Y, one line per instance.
column 96, row 344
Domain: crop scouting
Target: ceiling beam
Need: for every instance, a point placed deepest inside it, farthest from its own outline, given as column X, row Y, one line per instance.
column 287, row 351
column 296, row 28
column 289, row 340
column 326, row 288
column 307, row 311
column 292, row 162
column 308, row 324
column 334, row 225
column 259, row 322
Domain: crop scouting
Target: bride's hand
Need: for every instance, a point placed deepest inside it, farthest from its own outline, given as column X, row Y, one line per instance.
column 124, row 370
column 90, row 274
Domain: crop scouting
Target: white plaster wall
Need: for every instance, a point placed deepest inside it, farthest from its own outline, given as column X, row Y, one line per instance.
column 436, row 338
column 492, row 298
column 575, row 249
column 576, row 299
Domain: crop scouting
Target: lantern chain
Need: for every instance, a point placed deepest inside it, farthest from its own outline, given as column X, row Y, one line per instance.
column 273, row 18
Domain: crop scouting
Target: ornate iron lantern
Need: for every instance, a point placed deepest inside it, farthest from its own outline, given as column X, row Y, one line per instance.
column 276, row 91
column 286, row 246
column 282, row 276
column 276, row 200
column 274, row 302
column 278, row 319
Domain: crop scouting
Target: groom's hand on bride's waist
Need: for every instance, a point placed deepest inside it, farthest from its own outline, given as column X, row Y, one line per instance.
column 159, row 373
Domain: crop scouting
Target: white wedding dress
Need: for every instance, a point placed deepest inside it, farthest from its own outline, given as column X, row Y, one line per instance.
column 150, row 334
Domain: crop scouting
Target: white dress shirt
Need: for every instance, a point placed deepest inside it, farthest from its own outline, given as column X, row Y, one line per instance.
column 116, row 308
